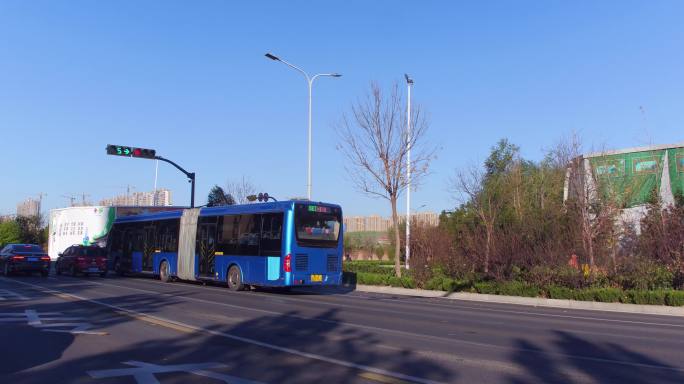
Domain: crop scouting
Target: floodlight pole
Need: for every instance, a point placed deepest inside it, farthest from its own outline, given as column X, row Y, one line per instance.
column 189, row 175
column 409, row 83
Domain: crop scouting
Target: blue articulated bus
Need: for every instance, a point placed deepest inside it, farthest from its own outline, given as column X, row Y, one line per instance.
column 275, row 244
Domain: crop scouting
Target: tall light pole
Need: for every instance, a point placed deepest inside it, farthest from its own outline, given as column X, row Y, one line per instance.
column 309, row 80
column 409, row 83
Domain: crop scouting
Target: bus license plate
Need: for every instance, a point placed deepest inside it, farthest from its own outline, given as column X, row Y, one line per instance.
column 32, row 259
column 95, row 269
column 316, row 278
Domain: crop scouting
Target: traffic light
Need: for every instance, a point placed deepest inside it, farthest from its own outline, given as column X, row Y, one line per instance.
column 120, row 150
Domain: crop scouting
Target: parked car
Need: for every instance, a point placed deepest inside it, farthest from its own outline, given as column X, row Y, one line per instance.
column 27, row 258
column 85, row 259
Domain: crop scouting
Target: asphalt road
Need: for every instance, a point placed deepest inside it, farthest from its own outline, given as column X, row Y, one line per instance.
column 139, row 330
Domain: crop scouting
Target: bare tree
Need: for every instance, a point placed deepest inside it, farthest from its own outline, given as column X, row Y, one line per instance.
column 375, row 141
column 483, row 194
column 240, row 190
column 595, row 198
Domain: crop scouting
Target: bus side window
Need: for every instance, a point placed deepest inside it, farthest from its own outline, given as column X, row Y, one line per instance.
column 228, row 229
column 271, row 234
column 250, row 233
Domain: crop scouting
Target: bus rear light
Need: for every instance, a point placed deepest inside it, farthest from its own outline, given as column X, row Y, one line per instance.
column 18, row 258
column 45, row 258
column 287, row 263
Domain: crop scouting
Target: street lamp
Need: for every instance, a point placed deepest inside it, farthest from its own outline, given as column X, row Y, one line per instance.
column 309, row 80
column 409, row 83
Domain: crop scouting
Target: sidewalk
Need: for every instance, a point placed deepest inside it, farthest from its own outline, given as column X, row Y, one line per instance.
column 531, row 301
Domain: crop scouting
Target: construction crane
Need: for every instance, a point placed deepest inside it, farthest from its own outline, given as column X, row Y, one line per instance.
column 71, row 199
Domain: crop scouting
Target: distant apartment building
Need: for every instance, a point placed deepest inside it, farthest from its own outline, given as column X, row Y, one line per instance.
column 157, row 198
column 424, row 218
column 376, row 223
column 28, row 207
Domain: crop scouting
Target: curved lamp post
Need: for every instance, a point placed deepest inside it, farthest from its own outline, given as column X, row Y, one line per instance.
column 309, row 80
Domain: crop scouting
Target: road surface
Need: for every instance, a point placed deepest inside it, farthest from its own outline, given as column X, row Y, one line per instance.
column 139, row 330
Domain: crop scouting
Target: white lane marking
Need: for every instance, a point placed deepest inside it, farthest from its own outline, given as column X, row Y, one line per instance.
column 455, row 307
column 145, row 372
column 274, row 347
column 32, row 317
column 45, row 322
column 6, row 294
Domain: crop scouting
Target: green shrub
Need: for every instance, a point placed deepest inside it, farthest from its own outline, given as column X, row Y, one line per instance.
column 451, row 285
column 586, row 294
column 568, row 277
column 645, row 275
column 674, row 298
column 608, row 295
column 435, row 283
column 408, row 282
column 517, row 288
column 371, row 278
column 604, row 295
column 402, row 282
column 486, row 287
column 645, row 297
column 555, row 292
column 599, row 279
column 369, row 266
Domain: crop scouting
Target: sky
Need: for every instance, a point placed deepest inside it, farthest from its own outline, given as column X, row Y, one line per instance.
column 190, row 80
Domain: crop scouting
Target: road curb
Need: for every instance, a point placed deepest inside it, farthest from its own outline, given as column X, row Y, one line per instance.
column 530, row 301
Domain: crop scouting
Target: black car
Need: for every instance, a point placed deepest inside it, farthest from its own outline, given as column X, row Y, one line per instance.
column 27, row 258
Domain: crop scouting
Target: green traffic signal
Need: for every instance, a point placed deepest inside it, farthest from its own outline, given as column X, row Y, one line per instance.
column 120, row 150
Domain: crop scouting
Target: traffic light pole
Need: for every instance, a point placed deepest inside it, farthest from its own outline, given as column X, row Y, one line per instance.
column 189, row 175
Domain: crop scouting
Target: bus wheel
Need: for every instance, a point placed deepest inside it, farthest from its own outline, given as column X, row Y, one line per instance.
column 164, row 272
column 234, row 279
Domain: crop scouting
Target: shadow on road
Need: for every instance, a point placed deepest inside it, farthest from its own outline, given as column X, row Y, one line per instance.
column 593, row 362
column 321, row 335
column 24, row 346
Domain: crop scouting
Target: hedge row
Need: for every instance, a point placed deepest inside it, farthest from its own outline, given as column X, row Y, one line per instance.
column 351, row 278
column 376, row 266
column 517, row 288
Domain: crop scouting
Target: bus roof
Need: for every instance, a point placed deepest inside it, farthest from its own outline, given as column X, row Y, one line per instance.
column 222, row 210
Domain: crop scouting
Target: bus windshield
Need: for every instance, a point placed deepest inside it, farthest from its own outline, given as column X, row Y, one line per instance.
column 317, row 225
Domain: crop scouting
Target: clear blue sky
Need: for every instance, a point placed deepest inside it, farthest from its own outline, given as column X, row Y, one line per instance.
column 190, row 79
